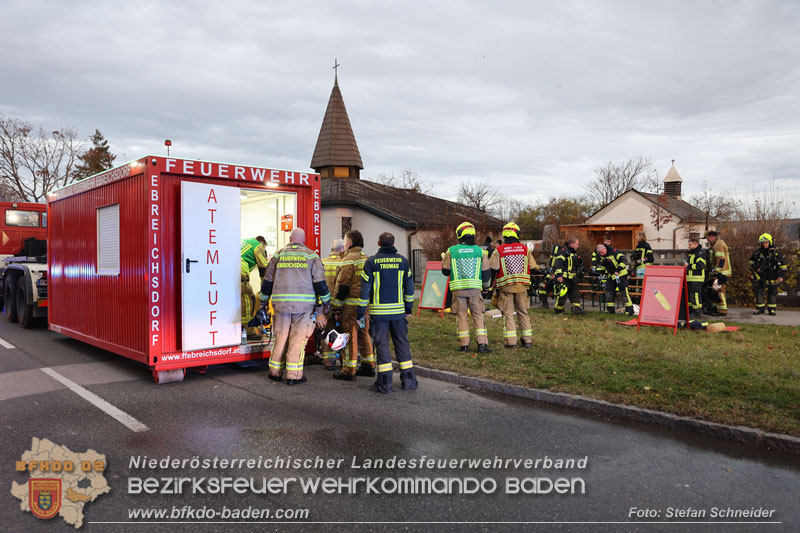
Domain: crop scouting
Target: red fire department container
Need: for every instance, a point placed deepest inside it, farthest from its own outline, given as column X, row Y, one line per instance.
column 144, row 258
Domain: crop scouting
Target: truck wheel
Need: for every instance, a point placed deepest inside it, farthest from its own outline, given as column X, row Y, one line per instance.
column 10, row 299
column 24, row 310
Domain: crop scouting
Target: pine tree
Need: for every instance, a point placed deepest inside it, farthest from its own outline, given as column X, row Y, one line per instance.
column 96, row 159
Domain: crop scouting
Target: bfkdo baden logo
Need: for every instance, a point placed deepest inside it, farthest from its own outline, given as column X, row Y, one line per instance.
column 44, row 497
column 61, row 482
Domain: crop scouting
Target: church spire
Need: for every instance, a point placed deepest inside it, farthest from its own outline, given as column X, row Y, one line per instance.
column 336, row 153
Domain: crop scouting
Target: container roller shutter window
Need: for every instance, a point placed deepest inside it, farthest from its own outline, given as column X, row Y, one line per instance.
column 108, row 240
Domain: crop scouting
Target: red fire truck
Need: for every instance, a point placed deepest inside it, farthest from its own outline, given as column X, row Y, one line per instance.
column 23, row 230
column 144, row 259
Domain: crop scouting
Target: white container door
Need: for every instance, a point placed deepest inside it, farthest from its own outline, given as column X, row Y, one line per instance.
column 210, row 271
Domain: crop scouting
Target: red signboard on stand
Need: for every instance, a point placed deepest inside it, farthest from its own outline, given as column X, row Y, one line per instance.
column 664, row 297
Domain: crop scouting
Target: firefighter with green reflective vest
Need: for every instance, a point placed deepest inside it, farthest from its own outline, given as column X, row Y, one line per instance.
column 347, row 293
column 719, row 267
column 294, row 282
column 768, row 271
column 331, row 265
column 565, row 272
column 617, row 270
column 388, row 288
column 467, row 265
column 643, row 253
column 695, row 277
column 512, row 263
column 253, row 254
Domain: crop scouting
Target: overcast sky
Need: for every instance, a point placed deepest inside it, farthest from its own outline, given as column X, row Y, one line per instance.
column 530, row 94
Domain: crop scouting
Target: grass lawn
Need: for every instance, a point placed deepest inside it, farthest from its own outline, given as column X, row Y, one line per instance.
column 749, row 378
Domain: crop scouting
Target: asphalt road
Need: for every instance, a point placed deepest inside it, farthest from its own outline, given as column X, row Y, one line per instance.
column 236, row 413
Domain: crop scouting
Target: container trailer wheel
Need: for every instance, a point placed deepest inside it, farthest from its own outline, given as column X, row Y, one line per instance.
column 10, row 298
column 168, row 376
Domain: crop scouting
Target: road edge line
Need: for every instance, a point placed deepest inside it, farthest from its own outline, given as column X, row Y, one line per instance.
column 114, row 412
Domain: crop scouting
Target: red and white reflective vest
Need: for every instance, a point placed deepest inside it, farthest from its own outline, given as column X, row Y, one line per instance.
column 513, row 265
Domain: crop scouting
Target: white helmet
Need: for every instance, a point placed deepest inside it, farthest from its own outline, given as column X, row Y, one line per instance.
column 337, row 341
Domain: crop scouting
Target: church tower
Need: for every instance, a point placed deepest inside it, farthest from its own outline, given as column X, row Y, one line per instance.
column 336, row 154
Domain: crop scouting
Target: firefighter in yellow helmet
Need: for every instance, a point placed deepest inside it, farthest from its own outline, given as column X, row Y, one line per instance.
column 768, row 271
column 467, row 265
column 512, row 263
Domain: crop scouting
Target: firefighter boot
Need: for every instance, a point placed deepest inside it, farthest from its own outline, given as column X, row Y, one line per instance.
column 524, row 344
column 484, row 348
column 759, row 311
column 366, row 371
column 296, row 381
column 344, row 377
column 383, row 384
column 771, row 312
column 408, row 380
column 543, row 299
column 464, row 349
column 578, row 311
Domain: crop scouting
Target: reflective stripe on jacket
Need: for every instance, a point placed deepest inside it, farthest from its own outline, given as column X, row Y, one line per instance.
column 466, row 265
column 387, row 286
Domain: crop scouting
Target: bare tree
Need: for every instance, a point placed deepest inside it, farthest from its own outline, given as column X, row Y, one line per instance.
column 614, row 179
column 33, row 162
column 481, row 195
column 406, row 179
column 717, row 206
column 508, row 208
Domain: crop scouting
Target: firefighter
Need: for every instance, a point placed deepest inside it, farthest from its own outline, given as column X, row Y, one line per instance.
column 331, row 266
column 295, row 278
column 614, row 264
column 468, row 268
column 695, row 277
column 545, row 286
column 345, row 307
column 768, row 271
column 253, row 254
column 565, row 272
column 388, row 289
column 643, row 253
column 512, row 262
column 597, row 262
column 719, row 266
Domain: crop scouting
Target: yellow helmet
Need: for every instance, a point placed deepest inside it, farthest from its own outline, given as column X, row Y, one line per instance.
column 765, row 237
column 511, row 230
column 464, row 229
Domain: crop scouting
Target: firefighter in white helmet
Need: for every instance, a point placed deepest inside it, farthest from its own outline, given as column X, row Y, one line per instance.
column 468, row 268
column 294, row 280
column 512, row 262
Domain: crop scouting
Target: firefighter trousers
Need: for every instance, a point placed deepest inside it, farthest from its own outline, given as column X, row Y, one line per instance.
column 611, row 295
column 695, row 289
column 291, row 336
column 350, row 359
column 722, row 306
column 248, row 306
column 572, row 293
column 476, row 307
column 769, row 287
column 397, row 329
column 508, row 302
